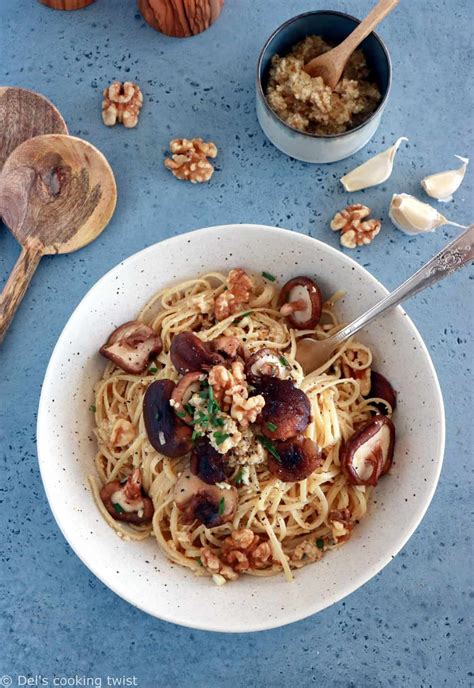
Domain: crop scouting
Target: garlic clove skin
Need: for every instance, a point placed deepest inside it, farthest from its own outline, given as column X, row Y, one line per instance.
column 374, row 171
column 442, row 185
column 415, row 217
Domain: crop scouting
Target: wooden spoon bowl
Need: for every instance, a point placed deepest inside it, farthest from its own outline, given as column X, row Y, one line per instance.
column 57, row 194
column 24, row 114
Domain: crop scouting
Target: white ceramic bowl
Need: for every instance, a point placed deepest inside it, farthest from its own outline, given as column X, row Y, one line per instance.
column 137, row 571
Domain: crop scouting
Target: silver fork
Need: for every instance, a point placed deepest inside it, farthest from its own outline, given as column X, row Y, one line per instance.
column 312, row 354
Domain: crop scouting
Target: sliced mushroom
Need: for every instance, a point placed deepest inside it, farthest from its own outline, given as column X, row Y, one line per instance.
column 381, row 388
column 298, row 458
column 167, row 433
column 188, row 353
column 207, row 463
column 188, row 385
column 126, row 502
column 131, row 346
column 266, row 362
column 208, row 504
column 301, row 302
column 368, row 454
column 287, row 410
column 228, row 347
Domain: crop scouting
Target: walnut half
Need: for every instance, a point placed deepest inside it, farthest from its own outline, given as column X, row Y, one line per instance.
column 122, row 103
column 189, row 159
column 355, row 229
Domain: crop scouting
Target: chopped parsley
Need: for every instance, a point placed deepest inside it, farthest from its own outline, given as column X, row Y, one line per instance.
column 189, row 409
column 196, row 435
column 221, row 506
column 269, row 446
column 181, row 414
column 239, row 477
column 118, row 508
column 92, row 408
column 220, row 437
column 283, row 361
column 153, row 370
column 268, row 276
column 320, row 543
column 198, row 559
column 272, row 427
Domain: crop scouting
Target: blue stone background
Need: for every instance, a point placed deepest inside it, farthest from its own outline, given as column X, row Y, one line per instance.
column 410, row 624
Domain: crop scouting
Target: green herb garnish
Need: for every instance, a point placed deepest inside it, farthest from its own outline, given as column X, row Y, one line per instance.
column 283, row 361
column 220, row 437
column 181, row 414
column 92, row 408
column 189, row 409
column 221, row 506
column 118, row 508
column 268, row 276
column 239, row 479
column 198, row 559
column 196, row 435
column 272, row 427
column 269, row 446
column 320, row 543
column 153, row 370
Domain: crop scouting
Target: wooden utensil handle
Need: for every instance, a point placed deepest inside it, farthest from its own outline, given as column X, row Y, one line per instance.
column 16, row 286
column 375, row 16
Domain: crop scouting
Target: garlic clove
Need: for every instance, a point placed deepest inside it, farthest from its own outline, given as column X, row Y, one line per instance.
column 374, row 171
column 442, row 185
column 415, row 217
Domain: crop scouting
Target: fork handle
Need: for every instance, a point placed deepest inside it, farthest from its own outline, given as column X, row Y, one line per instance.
column 456, row 254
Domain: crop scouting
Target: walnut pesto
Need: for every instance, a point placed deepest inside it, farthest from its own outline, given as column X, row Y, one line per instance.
column 307, row 104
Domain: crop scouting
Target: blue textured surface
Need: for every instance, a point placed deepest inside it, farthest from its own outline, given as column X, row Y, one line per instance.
column 409, row 625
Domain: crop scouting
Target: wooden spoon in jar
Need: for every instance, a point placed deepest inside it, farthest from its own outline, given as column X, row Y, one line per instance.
column 57, row 194
column 24, row 114
column 331, row 65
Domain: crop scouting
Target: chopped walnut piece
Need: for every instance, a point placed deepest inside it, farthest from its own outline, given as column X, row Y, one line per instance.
column 243, row 550
column 189, row 159
column 261, row 556
column 122, row 103
column 243, row 538
column 122, row 433
column 214, row 565
column 239, row 290
column 355, row 229
column 246, row 411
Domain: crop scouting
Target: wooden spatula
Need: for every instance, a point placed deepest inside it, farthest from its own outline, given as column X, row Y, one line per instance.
column 24, row 114
column 330, row 65
column 57, row 194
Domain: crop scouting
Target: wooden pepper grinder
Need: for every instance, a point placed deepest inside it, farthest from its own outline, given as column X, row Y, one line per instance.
column 67, row 4
column 180, row 18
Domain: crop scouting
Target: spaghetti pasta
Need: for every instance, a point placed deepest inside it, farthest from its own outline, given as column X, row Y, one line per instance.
column 285, row 525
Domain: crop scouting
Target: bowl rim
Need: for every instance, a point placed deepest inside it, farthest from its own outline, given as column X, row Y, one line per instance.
column 68, row 531
column 380, row 107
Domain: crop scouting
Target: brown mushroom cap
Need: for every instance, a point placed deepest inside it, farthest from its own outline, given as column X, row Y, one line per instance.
column 188, row 353
column 298, row 458
column 208, row 504
column 131, row 346
column 266, row 362
column 381, row 388
column 143, row 504
column 368, row 454
column 167, row 433
column 207, row 463
column 182, row 393
column 286, row 407
column 305, row 294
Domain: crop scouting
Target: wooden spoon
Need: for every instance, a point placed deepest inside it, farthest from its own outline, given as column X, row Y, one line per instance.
column 330, row 65
column 57, row 194
column 24, row 114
